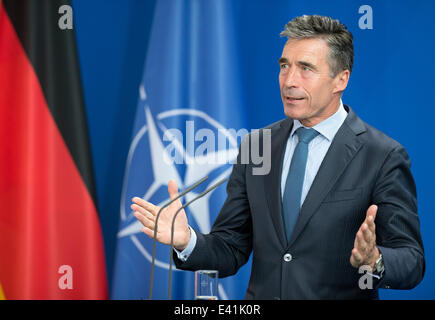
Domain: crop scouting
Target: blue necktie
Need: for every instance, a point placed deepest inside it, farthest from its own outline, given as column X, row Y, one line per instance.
column 291, row 202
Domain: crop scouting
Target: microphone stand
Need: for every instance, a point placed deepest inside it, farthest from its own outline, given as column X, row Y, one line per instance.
column 155, row 230
column 173, row 224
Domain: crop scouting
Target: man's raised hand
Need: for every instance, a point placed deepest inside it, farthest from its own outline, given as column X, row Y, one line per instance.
column 146, row 213
column 364, row 250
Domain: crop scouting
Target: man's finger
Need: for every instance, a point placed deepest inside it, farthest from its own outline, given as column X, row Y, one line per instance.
column 356, row 258
column 367, row 233
column 146, row 205
column 357, row 255
column 149, row 232
column 371, row 211
column 173, row 193
column 172, row 189
column 144, row 220
column 371, row 224
column 143, row 211
column 361, row 244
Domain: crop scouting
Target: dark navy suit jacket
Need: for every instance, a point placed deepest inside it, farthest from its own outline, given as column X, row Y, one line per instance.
column 362, row 167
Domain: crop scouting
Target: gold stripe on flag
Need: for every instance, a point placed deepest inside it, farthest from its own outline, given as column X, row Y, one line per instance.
column 2, row 295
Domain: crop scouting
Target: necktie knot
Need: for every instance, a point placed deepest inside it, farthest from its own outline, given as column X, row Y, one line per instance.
column 306, row 135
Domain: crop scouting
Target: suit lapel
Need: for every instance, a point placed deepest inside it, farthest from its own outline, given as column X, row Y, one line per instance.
column 272, row 180
column 343, row 148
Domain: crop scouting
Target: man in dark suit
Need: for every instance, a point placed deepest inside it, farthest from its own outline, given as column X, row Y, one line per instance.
column 339, row 198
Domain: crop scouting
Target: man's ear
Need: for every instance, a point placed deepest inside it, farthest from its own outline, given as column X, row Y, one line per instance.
column 341, row 80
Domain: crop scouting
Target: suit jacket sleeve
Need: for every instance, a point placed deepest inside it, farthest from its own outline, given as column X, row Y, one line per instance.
column 397, row 225
column 229, row 244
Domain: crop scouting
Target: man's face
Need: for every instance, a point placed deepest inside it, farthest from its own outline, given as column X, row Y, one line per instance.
column 308, row 92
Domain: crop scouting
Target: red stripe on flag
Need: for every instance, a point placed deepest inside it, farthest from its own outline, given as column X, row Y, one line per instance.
column 47, row 217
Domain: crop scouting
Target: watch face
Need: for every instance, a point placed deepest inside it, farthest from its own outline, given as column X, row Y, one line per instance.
column 379, row 264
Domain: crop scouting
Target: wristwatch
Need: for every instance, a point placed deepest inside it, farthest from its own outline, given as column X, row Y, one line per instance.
column 379, row 265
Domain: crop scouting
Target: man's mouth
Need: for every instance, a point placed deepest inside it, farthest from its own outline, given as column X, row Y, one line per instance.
column 293, row 100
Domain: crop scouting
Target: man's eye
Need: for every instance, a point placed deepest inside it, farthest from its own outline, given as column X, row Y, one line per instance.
column 305, row 68
column 284, row 66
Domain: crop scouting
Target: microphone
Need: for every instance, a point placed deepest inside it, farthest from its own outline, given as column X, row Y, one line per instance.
column 172, row 228
column 155, row 229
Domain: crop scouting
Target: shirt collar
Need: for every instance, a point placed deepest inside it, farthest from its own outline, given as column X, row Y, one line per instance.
column 328, row 127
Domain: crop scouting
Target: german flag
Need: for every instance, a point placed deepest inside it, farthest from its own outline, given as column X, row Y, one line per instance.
column 51, row 243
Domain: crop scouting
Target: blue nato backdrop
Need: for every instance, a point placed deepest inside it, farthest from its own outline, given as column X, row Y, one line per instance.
column 150, row 65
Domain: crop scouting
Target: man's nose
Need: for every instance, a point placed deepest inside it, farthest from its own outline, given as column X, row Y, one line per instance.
column 291, row 79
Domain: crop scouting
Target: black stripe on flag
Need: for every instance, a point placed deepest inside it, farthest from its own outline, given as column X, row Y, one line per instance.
column 53, row 54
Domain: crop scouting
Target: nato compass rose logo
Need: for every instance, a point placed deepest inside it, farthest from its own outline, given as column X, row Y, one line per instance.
column 148, row 172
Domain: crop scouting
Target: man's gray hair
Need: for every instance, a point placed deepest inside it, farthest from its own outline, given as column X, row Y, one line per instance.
column 336, row 35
